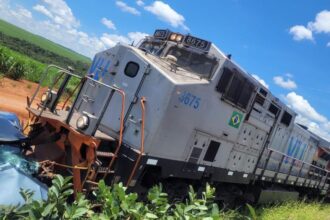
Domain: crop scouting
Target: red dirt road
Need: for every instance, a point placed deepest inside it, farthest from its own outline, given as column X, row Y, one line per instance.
column 13, row 96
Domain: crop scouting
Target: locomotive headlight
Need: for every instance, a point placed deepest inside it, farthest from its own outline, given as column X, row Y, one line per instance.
column 46, row 97
column 173, row 37
column 82, row 122
column 178, row 38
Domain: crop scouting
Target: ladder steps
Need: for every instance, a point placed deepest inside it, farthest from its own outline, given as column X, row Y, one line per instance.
column 104, row 154
column 104, row 170
column 90, row 186
column 92, row 183
column 86, row 98
column 93, row 188
column 92, row 84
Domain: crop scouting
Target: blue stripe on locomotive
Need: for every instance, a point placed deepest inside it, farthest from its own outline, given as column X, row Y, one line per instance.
column 95, row 67
column 296, row 148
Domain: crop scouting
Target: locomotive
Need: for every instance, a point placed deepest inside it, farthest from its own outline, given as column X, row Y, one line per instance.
column 175, row 110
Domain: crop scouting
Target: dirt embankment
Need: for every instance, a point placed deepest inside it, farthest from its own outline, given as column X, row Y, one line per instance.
column 13, row 96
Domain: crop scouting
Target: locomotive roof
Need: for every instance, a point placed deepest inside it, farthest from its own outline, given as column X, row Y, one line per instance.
column 178, row 76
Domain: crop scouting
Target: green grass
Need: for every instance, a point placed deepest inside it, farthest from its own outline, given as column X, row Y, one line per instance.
column 295, row 211
column 15, row 31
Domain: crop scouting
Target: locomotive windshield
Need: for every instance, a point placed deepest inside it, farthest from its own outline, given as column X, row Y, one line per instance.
column 201, row 64
column 153, row 47
column 191, row 53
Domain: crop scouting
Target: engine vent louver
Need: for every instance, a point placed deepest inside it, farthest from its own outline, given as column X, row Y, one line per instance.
column 194, row 156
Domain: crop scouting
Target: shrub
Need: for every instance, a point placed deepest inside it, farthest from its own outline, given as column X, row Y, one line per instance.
column 11, row 67
column 17, row 66
column 55, row 207
column 6, row 61
column 16, row 71
column 114, row 203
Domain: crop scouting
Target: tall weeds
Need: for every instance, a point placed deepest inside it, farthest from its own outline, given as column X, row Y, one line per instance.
column 11, row 67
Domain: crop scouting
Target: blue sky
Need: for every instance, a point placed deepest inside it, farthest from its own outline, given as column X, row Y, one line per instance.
column 284, row 43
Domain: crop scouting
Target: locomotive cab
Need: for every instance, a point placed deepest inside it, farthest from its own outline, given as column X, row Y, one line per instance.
column 157, row 69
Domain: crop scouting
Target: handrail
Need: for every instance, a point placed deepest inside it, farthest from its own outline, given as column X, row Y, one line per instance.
column 122, row 115
column 143, row 99
column 58, row 78
column 103, row 84
column 121, row 130
column 318, row 169
column 44, row 75
column 114, row 88
column 74, row 90
column 298, row 160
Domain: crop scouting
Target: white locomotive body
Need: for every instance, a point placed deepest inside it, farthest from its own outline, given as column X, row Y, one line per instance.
column 205, row 119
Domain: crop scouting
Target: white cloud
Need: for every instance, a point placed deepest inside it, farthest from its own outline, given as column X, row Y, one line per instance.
column 167, row 14
column 328, row 44
column 111, row 40
column 263, row 82
column 302, row 106
column 320, row 129
column 24, row 12
column 124, row 7
column 108, row 23
column 18, row 15
column 285, row 83
column 308, row 116
column 55, row 29
column 289, row 75
column 321, row 23
column 136, row 37
column 60, row 13
column 140, row 2
column 43, row 10
column 300, row 32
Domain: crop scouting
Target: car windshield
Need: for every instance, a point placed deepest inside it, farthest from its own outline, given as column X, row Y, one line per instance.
column 200, row 64
column 152, row 47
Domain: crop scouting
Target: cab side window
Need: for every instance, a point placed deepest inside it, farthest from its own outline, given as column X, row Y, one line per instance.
column 131, row 69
